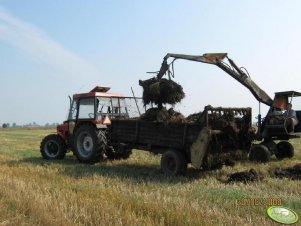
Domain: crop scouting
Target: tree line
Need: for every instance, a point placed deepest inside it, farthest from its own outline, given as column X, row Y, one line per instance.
column 28, row 125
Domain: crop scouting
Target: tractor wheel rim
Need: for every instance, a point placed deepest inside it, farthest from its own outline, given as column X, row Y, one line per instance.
column 88, row 143
column 51, row 148
column 85, row 144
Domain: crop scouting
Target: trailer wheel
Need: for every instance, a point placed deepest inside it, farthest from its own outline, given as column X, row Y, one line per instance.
column 173, row 163
column 118, row 151
column 259, row 153
column 284, row 150
column 53, row 147
column 111, row 153
column 89, row 144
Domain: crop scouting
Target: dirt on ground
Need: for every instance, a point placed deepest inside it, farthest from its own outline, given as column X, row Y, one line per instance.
column 216, row 160
column 293, row 173
column 245, row 176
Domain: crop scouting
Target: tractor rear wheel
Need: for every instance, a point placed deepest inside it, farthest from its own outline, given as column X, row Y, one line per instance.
column 259, row 153
column 53, row 147
column 173, row 163
column 284, row 150
column 89, row 144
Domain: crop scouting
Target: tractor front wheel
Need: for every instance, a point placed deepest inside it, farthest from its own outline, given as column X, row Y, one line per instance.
column 89, row 144
column 53, row 147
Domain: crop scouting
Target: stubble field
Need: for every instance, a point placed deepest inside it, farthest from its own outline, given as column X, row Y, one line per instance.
column 34, row 191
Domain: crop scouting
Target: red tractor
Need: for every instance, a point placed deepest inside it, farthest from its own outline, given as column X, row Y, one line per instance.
column 84, row 132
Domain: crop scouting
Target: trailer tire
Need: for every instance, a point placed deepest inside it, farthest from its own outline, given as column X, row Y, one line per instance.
column 89, row 144
column 113, row 153
column 53, row 147
column 259, row 153
column 284, row 150
column 173, row 163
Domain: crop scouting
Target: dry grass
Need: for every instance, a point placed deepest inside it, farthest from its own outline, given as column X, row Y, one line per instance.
column 34, row 191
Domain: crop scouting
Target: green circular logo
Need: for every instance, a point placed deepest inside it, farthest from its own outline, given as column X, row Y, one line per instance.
column 282, row 215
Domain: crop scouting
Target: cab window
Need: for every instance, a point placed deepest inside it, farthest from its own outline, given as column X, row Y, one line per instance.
column 86, row 108
column 73, row 110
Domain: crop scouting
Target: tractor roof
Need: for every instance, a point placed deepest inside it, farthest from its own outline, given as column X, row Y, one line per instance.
column 288, row 94
column 97, row 91
column 100, row 89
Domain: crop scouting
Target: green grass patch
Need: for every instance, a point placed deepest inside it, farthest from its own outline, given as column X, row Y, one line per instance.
column 26, row 153
column 228, row 194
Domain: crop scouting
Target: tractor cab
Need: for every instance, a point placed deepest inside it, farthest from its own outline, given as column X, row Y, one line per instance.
column 282, row 116
column 98, row 107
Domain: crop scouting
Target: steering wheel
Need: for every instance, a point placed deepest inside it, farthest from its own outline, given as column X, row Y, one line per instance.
column 91, row 115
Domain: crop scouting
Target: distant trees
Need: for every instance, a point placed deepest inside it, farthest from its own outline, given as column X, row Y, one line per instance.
column 29, row 125
column 5, row 125
column 50, row 125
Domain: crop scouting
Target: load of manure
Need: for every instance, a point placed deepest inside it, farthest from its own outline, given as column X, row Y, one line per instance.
column 195, row 117
column 162, row 115
column 161, row 91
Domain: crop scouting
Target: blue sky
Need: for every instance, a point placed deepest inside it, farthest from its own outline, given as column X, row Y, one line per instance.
column 51, row 49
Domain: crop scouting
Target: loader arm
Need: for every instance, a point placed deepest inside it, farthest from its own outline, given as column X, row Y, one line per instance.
column 234, row 71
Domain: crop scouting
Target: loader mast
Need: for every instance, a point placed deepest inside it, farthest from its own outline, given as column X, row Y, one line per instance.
column 233, row 70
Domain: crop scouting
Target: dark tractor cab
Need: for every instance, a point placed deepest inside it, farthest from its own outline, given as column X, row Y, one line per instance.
column 276, row 124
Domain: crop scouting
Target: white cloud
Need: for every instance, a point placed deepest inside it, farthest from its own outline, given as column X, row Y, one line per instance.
column 38, row 45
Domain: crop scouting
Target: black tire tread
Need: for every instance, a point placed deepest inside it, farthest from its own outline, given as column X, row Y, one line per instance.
column 113, row 154
column 57, row 139
column 180, row 159
column 259, row 153
column 284, row 150
column 100, row 144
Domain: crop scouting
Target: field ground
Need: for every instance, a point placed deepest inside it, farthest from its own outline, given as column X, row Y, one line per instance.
column 34, row 191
